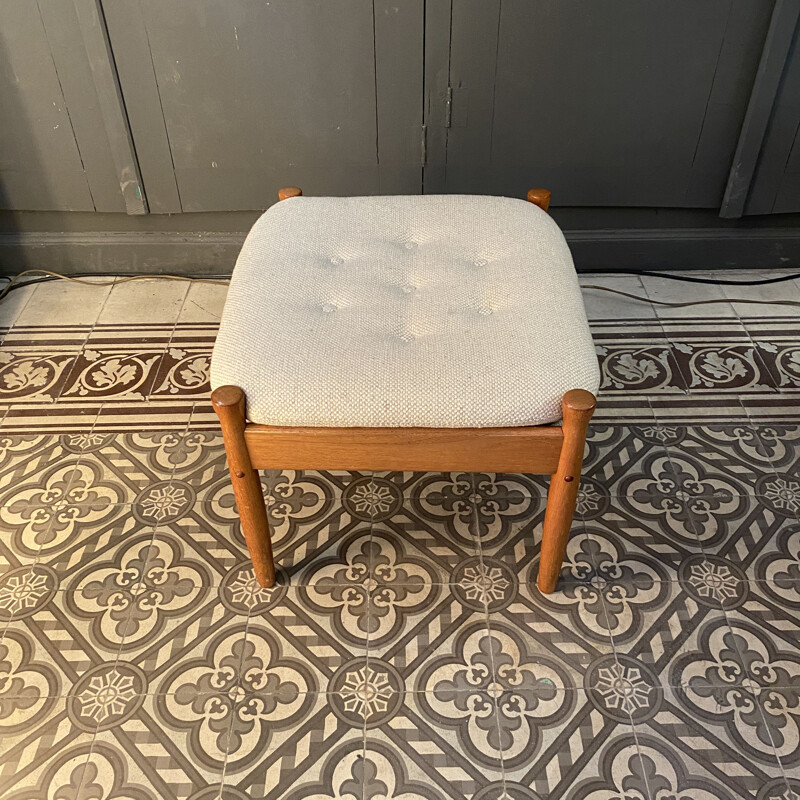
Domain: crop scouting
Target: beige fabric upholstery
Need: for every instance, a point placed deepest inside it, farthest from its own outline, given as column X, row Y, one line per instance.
column 434, row 311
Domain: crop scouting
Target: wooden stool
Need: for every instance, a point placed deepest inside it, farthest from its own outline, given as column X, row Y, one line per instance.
column 431, row 333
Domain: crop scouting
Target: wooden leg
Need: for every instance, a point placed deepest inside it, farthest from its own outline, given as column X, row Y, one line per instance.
column 228, row 402
column 577, row 408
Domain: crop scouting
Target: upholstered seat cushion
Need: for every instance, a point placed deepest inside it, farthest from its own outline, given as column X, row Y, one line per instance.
column 434, row 311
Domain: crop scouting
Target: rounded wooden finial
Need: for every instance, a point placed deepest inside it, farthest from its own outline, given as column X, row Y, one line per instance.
column 224, row 396
column 289, row 191
column 579, row 400
column 539, row 197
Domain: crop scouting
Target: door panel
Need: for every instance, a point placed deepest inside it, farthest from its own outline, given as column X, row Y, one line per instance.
column 775, row 187
column 255, row 96
column 620, row 103
column 40, row 165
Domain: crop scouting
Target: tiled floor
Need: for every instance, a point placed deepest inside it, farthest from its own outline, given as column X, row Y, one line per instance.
column 405, row 652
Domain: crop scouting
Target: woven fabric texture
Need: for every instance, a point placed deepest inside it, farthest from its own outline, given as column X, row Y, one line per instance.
column 433, row 311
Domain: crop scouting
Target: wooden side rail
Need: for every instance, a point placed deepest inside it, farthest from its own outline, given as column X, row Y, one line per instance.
column 424, row 449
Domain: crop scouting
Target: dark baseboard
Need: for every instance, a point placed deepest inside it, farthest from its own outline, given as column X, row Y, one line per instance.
column 215, row 253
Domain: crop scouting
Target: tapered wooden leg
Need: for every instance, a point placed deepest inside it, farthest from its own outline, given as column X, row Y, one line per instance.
column 228, row 402
column 577, row 408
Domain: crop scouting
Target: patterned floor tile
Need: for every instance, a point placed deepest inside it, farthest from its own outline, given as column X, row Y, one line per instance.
column 508, row 524
column 44, row 747
column 751, row 535
column 576, row 757
column 412, row 628
column 48, row 650
column 662, row 526
column 82, row 537
column 781, row 444
column 206, row 538
column 283, row 484
column 582, row 765
column 421, row 749
column 290, row 641
column 713, row 360
column 726, row 731
column 422, row 539
column 112, row 374
column 680, row 631
column 405, row 650
column 188, row 638
column 35, row 468
column 134, row 462
column 725, row 456
column 532, row 634
column 293, row 747
column 173, row 746
column 35, row 377
column 199, row 461
column 681, row 757
column 126, row 765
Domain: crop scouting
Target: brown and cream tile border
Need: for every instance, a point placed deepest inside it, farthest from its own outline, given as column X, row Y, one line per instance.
column 150, row 376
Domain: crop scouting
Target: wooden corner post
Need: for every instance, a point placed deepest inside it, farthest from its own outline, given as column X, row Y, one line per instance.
column 289, row 191
column 539, row 197
column 228, row 402
column 577, row 408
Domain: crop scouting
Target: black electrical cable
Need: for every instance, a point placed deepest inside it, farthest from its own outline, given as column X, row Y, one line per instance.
column 687, row 279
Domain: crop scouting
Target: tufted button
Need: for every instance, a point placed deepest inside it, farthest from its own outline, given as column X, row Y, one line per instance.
column 406, row 337
column 485, row 311
column 336, row 260
column 480, row 262
column 410, row 245
column 329, row 308
column 408, row 289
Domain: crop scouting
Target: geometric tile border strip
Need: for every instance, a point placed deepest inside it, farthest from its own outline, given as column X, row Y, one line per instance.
column 154, row 377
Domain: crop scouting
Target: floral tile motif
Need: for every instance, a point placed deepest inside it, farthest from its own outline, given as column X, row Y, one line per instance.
column 183, row 372
column 778, row 346
column 34, row 377
column 555, row 634
column 112, row 374
column 723, row 366
column 133, row 462
column 732, row 452
column 646, row 368
column 422, row 539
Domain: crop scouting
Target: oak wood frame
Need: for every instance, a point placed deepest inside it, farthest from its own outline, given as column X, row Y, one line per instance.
column 548, row 449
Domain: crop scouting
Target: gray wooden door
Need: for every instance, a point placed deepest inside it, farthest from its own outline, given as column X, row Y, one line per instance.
column 775, row 186
column 229, row 100
column 55, row 153
column 613, row 103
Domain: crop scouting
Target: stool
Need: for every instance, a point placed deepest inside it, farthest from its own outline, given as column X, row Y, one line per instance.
column 430, row 333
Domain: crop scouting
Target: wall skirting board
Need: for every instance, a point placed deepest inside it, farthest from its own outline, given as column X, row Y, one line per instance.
column 214, row 253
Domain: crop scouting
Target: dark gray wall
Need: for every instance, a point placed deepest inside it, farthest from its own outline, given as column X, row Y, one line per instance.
column 619, row 103
column 197, row 107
